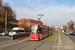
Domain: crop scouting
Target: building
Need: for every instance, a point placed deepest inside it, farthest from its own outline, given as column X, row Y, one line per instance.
column 29, row 21
column 57, row 29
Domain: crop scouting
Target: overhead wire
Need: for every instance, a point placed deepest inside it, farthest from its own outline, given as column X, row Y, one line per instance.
column 50, row 12
column 32, row 9
column 48, row 21
column 29, row 6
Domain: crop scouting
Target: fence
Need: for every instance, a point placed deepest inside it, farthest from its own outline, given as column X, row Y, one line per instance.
column 20, row 35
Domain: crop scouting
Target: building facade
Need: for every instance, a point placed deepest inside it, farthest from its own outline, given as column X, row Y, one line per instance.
column 29, row 21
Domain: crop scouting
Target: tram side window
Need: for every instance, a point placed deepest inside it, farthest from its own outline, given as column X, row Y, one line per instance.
column 49, row 31
column 45, row 30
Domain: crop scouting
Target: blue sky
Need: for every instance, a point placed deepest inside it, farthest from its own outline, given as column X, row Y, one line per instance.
column 60, row 10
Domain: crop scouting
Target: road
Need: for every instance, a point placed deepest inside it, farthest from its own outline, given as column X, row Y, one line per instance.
column 66, row 43
column 31, row 45
column 71, row 37
column 4, row 38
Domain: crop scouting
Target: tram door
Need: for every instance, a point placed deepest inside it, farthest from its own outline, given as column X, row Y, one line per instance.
column 40, row 31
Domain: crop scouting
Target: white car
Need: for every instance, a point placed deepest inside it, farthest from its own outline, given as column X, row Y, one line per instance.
column 67, row 33
column 16, row 30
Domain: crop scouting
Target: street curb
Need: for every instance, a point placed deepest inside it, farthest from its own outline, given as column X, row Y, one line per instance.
column 5, row 41
column 13, row 43
column 23, row 40
column 8, row 41
column 12, row 40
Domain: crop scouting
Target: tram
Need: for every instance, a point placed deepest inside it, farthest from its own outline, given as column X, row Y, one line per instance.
column 39, row 31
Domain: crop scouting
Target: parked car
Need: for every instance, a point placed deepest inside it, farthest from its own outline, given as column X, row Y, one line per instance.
column 16, row 30
column 71, row 32
column 67, row 33
column 5, row 33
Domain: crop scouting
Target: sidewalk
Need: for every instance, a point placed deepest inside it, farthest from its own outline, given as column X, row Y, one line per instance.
column 64, row 43
column 12, row 42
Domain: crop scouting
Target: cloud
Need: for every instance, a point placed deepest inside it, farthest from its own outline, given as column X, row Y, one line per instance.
column 25, row 13
column 9, row 1
column 59, row 14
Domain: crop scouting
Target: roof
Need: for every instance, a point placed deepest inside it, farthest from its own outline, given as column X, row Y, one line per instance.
column 30, row 20
column 17, row 28
column 23, row 19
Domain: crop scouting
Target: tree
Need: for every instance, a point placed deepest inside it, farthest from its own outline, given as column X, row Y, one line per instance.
column 65, row 28
column 11, row 15
column 0, row 7
column 1, row 2
column 71, row 25
column 24, row 25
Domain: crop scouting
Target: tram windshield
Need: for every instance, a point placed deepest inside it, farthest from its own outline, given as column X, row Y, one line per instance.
column 34, row 29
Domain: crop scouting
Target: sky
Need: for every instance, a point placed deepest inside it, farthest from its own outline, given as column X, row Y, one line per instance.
column 56, row 12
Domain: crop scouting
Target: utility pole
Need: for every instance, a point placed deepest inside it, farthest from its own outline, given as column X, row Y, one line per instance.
column 6, row 21
column 5, row 18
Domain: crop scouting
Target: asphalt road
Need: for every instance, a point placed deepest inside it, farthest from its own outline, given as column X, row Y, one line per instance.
column 30, row 45
column 4, row 38
column 71, row 37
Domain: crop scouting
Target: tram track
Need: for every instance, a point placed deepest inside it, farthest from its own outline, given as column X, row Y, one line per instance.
column 44, row 42
column 24, row 46
column 17, row 44
column 39, row 44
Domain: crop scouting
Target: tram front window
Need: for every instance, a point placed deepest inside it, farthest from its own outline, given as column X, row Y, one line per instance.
column 34, row 29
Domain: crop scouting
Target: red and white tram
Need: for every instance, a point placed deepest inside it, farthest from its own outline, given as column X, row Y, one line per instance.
column 39, row 31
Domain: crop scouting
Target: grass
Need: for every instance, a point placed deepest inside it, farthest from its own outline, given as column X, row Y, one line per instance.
column 51, row 40
column 54, row 37
column 45, row 38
